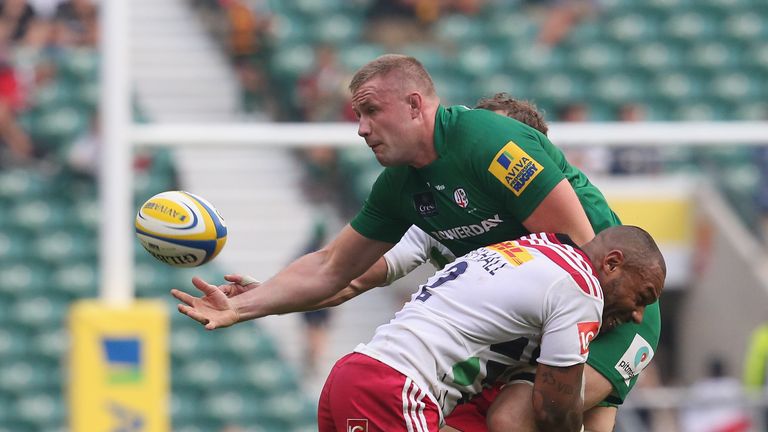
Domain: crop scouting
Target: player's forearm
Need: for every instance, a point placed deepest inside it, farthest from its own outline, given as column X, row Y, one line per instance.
column 299, row 287
column 375, row 276
column 557, row 399
column 600, row 419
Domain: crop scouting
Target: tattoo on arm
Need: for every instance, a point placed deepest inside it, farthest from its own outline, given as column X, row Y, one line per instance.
column 557, row 398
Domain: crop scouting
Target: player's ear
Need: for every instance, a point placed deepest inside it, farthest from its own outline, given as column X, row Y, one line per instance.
column 415, row 102
column 613, row 260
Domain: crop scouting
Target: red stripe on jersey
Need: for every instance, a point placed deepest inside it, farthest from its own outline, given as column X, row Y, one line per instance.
column 570, row 259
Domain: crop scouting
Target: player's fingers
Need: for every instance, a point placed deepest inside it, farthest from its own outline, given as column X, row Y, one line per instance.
column 182, row 296
column 192, row 313
column 233, row 278
column 204, row 286
column 226, row 289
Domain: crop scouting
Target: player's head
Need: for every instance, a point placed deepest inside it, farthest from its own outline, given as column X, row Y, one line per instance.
column 395, row 101
column 520, row 110
column 631, row 270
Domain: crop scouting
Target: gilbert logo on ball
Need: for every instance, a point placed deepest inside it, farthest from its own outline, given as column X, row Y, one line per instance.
column 180, row 229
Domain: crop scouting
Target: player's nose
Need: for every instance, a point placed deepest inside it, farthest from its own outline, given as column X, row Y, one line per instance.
column 363, row 128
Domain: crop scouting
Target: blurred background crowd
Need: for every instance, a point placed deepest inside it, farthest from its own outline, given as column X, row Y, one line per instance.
column 578, row 61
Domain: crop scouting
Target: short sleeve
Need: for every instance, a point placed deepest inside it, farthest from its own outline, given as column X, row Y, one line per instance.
column 379, row 219
column 511, row 159
column 572, row 319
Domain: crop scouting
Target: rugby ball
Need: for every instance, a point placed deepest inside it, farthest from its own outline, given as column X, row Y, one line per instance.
column 180, row 229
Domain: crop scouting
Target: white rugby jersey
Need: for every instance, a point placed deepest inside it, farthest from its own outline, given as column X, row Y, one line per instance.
column 497, row 309
column 415, row 248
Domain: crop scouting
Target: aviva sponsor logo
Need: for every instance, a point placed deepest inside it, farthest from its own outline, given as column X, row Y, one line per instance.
column 123, row 360
column 465, row 231
column 514, row 168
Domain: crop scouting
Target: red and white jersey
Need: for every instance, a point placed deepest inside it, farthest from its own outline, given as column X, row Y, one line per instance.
column 498, row 309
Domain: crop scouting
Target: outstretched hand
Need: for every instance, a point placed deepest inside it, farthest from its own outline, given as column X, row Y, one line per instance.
column 213, row 309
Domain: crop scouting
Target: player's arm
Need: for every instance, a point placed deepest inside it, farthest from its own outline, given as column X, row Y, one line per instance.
column 600, row 419
column 561, row 211
column 410, row 252
column 557, row 398
column 597, row 387
column 302, row 284
column 375, row 276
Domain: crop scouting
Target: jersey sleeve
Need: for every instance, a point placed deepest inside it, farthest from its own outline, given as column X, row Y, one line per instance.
column 415, row 248
column 379, row 218
column 572, row 319
column 511, row 160
column 621, row 354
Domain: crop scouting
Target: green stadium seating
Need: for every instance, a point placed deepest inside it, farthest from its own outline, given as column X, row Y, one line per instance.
column 354, row 56
column 479, row 60
column 14, row 342
column 15, row 244
column 42, row 409
column 23, row 278
column 336, row 28
column 458, row 29
column 76, row 279
column 690, row 25
column 63, row 245
column 22, row 184
column 632, row 25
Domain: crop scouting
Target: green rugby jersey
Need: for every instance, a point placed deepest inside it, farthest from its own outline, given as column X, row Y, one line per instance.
column 491, row 173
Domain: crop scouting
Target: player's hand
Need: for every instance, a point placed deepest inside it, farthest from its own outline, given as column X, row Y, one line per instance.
column 213, row 309
column 238, row 284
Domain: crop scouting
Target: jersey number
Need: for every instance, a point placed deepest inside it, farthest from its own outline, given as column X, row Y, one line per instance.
column 449, row 274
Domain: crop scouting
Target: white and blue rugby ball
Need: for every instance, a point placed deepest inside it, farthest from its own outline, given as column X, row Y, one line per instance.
column 180, row 229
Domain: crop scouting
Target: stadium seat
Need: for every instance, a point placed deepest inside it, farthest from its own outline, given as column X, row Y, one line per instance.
column 63, row 245
column 15, row 244
column 76, row 279
column 679, row 85
column 458, row 28
column 249, row 342
column 293, row 61
column 619, row 87
column 714, row 54
column 479, row 60
column 336, row 29
column 503, row 27
column 19, row 375
column 268, row 375
column 430, row 55
column 78, row 64
column 50, row 344
column 151, row 278
column 690, row 25
column 42, row 409
column 516, row 83
column 23, row 278
column 40, row 311
column 17, row 183
column 629, row 26
column 14, row 342
column 737, row 86
column 354, row 56
column 601, row 57
column 233, row 405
